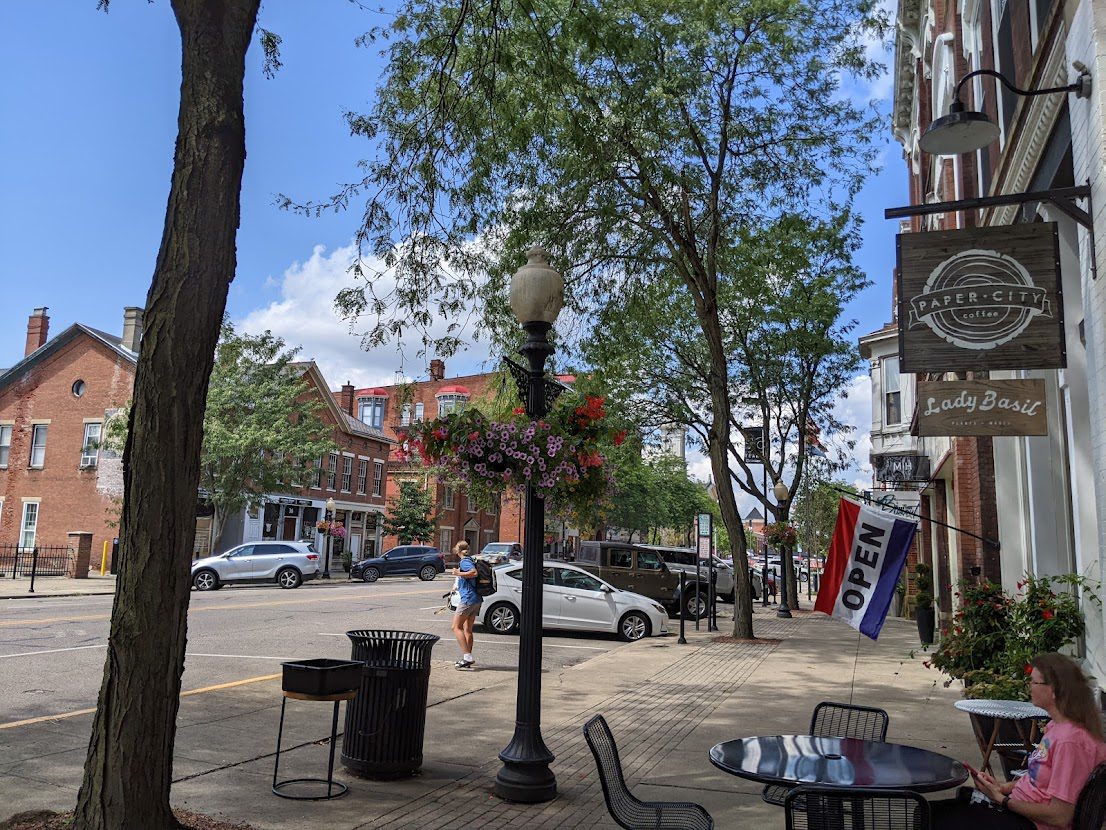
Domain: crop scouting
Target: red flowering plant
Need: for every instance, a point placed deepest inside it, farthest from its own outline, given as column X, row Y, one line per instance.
column 560, row 455
column 781, row 535
column 994, row 635
column 331, row 529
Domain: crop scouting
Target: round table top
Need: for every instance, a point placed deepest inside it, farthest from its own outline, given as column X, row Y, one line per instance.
column 1011, row 709
column 837, row 762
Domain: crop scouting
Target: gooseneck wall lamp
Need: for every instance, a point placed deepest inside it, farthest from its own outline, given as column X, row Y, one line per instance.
column 965, row 131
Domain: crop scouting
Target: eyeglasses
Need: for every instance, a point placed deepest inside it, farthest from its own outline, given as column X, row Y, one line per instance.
column 1039, row 683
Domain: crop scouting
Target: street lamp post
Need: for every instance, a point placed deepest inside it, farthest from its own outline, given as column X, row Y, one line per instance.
column 537, row 293
column 781, row 492
column 329, row 528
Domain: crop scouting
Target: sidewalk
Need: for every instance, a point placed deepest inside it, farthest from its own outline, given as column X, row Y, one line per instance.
column 56, row 586
column 667, row 704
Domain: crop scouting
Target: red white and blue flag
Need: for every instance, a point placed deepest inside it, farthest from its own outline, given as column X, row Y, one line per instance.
column 865, row 558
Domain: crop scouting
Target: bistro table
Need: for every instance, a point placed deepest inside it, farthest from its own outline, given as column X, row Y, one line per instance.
column 792, row 760
column 1016, row 711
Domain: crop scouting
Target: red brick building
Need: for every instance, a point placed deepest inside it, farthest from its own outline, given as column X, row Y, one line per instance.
column 55, row 479
column 53, row 404
column 390, row 408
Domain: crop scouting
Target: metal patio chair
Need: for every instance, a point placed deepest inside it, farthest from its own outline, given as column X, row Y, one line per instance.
column 837, row 720
column 852, row 808
column 628, row 811
column 1090, row 807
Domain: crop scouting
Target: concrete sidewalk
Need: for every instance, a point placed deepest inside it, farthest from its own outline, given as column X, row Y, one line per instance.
column 56, row 586
column 667, row 704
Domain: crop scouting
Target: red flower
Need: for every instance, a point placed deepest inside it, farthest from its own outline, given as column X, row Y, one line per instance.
column 441, row 434
column 619, row 437
column 1028, row 669
column 473, row 436
column 519, row 410
column 1048, row 615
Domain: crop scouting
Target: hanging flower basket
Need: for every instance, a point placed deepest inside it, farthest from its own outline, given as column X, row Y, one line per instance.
column 781, row 535
column 559, row 455
column 332, row 529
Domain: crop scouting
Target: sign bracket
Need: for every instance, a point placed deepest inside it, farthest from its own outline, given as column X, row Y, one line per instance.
column 1061, row 197
column 990, row 542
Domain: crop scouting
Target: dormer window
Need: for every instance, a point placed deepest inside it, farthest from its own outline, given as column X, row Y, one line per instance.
column 371, row 404
column 451, row 399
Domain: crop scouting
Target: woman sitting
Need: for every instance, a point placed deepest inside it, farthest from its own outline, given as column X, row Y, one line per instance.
column 1071, row 747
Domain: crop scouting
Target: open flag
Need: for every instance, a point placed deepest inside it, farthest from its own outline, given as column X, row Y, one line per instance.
column 866, row 555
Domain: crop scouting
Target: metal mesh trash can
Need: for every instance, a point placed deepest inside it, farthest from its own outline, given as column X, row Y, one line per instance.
column 385, row 723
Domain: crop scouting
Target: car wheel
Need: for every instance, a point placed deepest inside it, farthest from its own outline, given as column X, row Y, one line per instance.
column 370, row 574
column 428, row 573
column 728, row 598
column 502, row 618
column 289, row 578
column 695, row 607
column 634, row 626
column 206, row 581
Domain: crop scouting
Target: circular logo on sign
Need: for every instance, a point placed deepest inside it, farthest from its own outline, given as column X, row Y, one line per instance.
column 979, row 299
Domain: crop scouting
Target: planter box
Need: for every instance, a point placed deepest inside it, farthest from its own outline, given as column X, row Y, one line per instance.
column 321, row 676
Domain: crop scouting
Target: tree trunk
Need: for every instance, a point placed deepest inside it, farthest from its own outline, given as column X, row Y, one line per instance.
column 128, row 769
column 218, row 524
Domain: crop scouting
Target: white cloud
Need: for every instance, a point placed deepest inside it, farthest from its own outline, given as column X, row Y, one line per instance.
column 856, row 410
column 305, row 316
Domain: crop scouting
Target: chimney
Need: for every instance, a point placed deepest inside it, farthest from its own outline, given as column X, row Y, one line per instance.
column 38, row 327
column 133, row 326
column 437, row 369
column 345, row 398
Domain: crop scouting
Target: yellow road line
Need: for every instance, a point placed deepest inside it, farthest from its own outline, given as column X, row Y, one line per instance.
column 79, row 712
column 233, row 607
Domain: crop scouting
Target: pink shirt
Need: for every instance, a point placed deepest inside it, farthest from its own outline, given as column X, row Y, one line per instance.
column 1059, row 767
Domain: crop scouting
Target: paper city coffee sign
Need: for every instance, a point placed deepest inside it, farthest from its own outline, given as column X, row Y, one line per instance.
column 982, row 407
column 980, row 299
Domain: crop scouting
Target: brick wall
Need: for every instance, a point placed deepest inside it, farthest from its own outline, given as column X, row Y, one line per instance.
column 70, row 498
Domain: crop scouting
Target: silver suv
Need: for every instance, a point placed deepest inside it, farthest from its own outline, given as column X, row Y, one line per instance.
column 684, row 559
column 288, row 564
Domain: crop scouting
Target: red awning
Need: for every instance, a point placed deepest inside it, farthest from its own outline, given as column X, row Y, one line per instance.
column 374, row 392
column 453, row 389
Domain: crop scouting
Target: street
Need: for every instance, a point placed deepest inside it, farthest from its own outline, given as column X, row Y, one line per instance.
column 52, row 649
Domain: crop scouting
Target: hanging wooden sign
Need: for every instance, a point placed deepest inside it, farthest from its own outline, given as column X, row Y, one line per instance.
column 981, row 407
column 981, row 298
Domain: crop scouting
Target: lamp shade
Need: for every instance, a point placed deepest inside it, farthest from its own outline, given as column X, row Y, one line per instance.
column 330, row 505
column 961, row 131
column 781, row 492
column 537, row 289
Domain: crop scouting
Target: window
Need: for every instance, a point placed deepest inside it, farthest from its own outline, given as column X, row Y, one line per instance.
column 471, row 504
column 5, row 445
column 29, row 525
column 371, row 411
column 581, row 581
column 892, row 400
column 451, row 403
column 405, row 415
column 347, row 473
column 493, row 508
column 362, row 475
column 332, row 471
column 418, row 411
column 449, row 498
column 90, row 448
column 647, row 560
column 78, row 388
column 622, row 558
column 445, row 539
column 38, row 445
column 317, row 473
column 378, row 478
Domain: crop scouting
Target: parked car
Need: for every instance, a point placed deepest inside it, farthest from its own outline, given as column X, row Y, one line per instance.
column 405, row 560
column 500, row 553
column 685, row 560
column 642, row 571
column 288, row 564
column 572, row 599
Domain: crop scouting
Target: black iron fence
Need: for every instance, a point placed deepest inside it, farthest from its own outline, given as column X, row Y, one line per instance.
column 41, row 560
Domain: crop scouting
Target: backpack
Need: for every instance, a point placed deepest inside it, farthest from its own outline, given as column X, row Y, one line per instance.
column 485, row 578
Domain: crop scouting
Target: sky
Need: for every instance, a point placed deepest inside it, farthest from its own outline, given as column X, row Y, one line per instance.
column 87, row 127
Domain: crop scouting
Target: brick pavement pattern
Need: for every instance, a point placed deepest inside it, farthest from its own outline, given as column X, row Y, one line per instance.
column 643, row 726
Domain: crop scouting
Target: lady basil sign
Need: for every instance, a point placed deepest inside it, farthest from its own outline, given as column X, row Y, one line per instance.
column 980, row 299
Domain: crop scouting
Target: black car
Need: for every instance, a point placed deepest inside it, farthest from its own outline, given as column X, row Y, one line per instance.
column 422, row 561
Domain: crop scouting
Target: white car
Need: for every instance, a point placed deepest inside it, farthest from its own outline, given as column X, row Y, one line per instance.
column 572, row 599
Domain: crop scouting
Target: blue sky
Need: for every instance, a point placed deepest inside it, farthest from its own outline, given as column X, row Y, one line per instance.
column 87, row 126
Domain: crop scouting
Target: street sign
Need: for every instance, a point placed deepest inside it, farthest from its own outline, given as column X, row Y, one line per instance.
column 978, row 299
column 754, row 443
column 895, row 468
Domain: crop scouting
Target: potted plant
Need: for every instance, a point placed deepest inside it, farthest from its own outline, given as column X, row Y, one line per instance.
column 923, row 602
column 347, row 560
column 899, row 596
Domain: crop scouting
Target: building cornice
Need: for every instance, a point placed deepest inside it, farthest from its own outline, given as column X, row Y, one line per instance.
column 908, row 48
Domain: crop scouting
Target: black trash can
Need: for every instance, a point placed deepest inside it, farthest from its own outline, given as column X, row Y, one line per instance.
column 385, row 723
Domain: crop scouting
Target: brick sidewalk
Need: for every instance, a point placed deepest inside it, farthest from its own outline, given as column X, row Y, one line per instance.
column 644, row 728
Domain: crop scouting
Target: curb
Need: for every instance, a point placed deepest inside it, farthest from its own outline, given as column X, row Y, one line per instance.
column 74, row 594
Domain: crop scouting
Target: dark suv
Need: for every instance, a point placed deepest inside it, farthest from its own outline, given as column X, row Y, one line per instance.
column 406, row 560
column 642, row 571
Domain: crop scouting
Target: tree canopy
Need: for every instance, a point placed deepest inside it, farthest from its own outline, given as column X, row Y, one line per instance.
column 408, row 517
